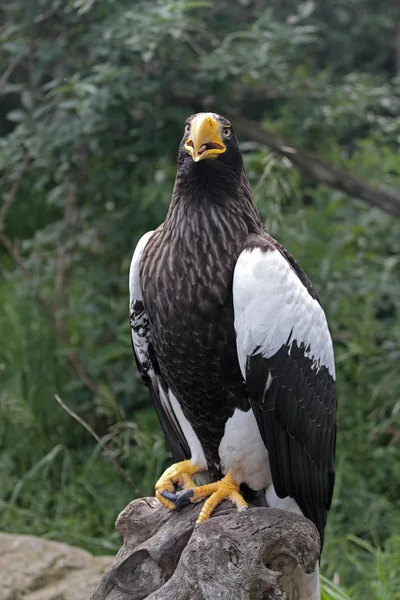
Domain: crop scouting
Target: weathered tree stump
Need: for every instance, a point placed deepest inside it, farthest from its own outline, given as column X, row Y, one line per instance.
column 235, row 556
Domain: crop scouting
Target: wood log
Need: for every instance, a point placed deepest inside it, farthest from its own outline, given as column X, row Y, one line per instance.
column 232, row 556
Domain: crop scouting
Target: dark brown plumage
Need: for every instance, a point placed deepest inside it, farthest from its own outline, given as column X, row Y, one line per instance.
column 186, row 274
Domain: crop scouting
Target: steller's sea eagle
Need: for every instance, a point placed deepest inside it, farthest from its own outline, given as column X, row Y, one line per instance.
column 231, row 339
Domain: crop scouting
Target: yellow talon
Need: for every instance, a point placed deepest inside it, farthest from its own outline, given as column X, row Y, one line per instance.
column 180, row 475
column 167, row 503
column 225, row 489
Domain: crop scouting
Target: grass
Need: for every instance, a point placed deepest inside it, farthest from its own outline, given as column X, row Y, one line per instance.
column 55, row 480
column 330, row 591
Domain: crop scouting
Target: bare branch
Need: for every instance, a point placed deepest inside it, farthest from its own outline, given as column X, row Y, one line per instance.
column 60, row 295
column 14, row 62
column 75, row 361
column 61, row 260
column 73, row 357
column 104, row 447
column 11, row 249
column 10, row 197
column 59, row 323
column 322, row 170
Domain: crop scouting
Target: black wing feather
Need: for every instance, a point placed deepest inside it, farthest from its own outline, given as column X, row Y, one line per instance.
column 175, row 441
column 150, row 372
column 297, row 422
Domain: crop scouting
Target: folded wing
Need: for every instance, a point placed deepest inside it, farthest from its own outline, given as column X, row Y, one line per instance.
column 147, row 362
column 286, row 358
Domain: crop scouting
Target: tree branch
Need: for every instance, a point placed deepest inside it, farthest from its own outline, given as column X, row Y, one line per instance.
column 9, row 198
column 59, row 323
column 11, row 249
column 11, row 195
column 320, row 169
column 62, row 254
column 14, row 62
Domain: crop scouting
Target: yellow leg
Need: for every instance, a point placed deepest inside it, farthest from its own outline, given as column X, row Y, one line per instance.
column 225, row 489
column 180, row 475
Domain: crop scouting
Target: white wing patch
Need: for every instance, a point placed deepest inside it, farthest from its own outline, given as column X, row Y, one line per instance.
column 272, row 308
column 135, row 293
column 140, row 325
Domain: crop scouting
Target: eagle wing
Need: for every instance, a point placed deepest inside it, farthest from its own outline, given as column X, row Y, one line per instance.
column 286, row 358
column 146, row 360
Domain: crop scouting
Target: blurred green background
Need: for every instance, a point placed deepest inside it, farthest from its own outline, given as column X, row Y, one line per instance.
column 94, row 95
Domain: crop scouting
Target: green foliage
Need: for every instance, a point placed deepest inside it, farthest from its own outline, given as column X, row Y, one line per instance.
column 330, row 591
column 93, row 98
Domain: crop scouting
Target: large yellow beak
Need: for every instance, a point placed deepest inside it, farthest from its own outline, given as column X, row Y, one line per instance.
column 205, row 138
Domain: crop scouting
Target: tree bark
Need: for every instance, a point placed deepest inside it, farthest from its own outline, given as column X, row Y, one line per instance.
column 233, row 556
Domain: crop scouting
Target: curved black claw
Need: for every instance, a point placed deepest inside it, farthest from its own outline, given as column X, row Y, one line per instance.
column 183, row 499
column 170, row 496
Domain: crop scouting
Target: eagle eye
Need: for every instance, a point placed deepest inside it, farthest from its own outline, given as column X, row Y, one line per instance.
column 226, row 132
column 187, row 127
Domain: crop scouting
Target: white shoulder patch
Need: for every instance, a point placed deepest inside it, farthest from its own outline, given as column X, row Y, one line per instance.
column 272, row 308
column 135, row 292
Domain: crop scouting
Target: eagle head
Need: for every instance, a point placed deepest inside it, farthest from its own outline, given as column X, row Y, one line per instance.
column 208, row 136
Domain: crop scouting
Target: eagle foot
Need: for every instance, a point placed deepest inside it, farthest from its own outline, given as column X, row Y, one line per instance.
column 225, row 489
column 178, row 475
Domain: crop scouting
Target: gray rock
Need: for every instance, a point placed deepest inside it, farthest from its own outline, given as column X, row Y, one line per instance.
column 35, row 569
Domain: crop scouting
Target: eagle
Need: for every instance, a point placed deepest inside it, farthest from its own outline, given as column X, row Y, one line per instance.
column 230, row 338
